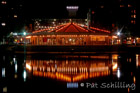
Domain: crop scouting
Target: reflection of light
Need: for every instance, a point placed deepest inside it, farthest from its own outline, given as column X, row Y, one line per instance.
column 3, row 58
column 15, row 76
column 115, row 66
column 94, row 69
column 114, row 62
column 68, row 78
column 137, row 61
column 24, row 75
column 134, row 79
column 24, row 61
column 5, row 90
column 14, row 59
column 118, row 73
column 53, row 75
column 3, row 72
column 128, row 90
column 80, row 77
column 16, row 68
column 128, row 60
column 67, row 71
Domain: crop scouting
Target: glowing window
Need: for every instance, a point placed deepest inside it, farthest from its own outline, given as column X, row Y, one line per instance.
column 101, row 38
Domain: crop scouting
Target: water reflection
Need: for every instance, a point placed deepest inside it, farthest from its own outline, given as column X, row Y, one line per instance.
column 114, row 62
column 14, row 59
column 69, row 68
column 3, row 58
column 3, row 72
column 16, row 67
column 115, row 66
column 118, row 73
column 5, row 90
column 15, row 76
column 24, row 75
column 73, row 70
column 134, row 79
column 137, row 60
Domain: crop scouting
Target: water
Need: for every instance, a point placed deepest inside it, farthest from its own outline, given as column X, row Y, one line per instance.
column 42, row 72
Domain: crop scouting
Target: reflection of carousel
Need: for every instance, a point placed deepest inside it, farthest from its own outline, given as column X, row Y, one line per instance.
column 68, row 70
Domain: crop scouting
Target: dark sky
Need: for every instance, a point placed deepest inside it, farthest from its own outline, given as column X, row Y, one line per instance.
column 51, row 8
column 55, row 8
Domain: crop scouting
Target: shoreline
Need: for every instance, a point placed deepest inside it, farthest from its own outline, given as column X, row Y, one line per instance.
column 29, row 49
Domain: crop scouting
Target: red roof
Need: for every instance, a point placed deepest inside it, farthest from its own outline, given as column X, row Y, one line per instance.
column 73, row 27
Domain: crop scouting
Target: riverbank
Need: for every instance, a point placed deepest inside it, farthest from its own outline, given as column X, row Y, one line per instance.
column 28, row 49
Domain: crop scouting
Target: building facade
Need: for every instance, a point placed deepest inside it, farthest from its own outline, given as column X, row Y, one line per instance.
column 70, row 34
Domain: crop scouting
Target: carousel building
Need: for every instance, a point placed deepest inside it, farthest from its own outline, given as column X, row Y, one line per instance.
column 69, row 34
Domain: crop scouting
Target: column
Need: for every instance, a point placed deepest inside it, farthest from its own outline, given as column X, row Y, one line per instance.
column 37, row 38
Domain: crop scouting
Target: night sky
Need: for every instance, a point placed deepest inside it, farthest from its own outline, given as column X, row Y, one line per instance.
column 53, row 8
column 57, row 8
